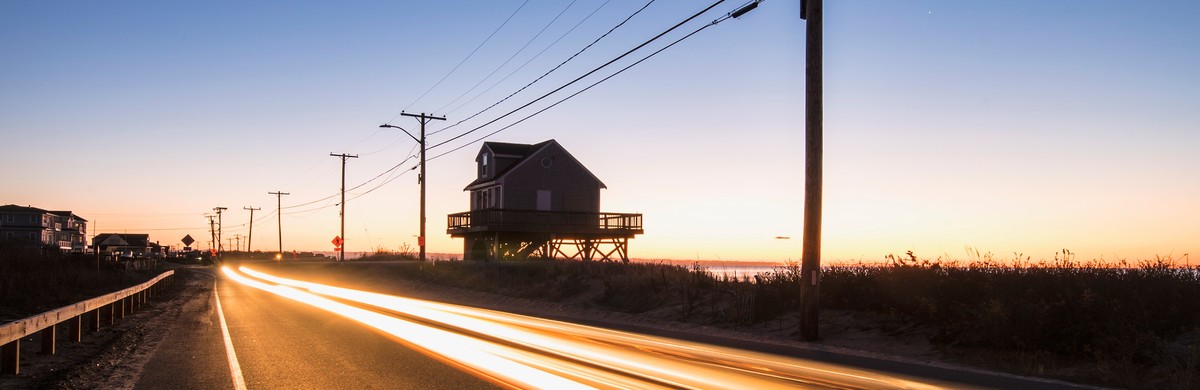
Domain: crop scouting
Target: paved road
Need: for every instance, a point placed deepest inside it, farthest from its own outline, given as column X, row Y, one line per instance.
column 296, row 334
column 280, row 343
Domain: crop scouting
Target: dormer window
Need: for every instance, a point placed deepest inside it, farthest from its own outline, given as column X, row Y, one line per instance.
column 485, row 166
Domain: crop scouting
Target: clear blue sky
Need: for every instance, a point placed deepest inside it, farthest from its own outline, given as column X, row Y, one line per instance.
column 1009, row 127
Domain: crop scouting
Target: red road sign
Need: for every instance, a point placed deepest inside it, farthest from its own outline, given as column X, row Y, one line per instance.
column 337, row 241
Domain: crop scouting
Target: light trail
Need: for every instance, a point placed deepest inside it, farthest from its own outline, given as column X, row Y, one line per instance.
column 577, row 354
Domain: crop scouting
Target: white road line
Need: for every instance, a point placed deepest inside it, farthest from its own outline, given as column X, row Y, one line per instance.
column 235, row 369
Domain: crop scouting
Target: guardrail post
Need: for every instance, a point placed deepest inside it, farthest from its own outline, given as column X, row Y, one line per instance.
column 75, row 328
column 112, row 313
column 10, row 358
column 94, row 320
column 48, row 335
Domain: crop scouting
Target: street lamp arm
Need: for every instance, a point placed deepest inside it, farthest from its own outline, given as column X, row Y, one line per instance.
column 385, row 125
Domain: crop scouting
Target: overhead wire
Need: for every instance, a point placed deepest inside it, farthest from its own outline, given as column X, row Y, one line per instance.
column 510, row 58
column 702, row 28
column 589, row 73
column 527, row 62
column 556, row 67
column 391, row 171
column 460, row 63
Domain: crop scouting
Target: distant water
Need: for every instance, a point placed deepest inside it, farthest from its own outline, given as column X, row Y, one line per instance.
column 739, row 271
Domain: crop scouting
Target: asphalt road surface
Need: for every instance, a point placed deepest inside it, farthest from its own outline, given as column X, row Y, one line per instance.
column 283, row 333
column 283, row 344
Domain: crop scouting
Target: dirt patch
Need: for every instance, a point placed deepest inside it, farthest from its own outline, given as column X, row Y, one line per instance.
column 112, row 357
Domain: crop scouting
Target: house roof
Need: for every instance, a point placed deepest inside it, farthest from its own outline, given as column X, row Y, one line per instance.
column 507, row 149
column 130, row 239
column 12, row 208
column 68, row 214
column 504, row 149
column 522, row 152
column 21, row 209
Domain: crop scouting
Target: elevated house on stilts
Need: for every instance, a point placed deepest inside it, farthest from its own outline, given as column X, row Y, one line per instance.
column 538, row 201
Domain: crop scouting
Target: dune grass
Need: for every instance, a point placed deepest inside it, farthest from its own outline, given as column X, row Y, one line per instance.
column 1117, row 323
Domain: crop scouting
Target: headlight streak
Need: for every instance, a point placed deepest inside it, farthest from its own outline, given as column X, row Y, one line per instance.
column 484, row 357
column 668, row 362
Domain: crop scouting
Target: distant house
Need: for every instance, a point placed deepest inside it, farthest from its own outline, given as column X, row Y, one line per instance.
column 123, row 243
column 538, row 201
column 43, row 228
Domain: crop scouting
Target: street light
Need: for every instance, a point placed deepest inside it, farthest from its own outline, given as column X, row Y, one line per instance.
column 424, row 119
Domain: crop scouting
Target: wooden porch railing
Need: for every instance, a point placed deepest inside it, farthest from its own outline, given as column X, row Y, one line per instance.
column 529, row 220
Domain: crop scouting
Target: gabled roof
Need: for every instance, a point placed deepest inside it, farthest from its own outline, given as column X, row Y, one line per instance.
column 67, row 214
column 130, row 239
column 504, row 149
column 518, row 150
column 523, row 152
column 12, row 208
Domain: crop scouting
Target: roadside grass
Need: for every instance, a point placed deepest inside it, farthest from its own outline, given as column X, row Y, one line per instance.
column 1131, row 325
column 32, row 282
column 403, row 252
column 1125, row 324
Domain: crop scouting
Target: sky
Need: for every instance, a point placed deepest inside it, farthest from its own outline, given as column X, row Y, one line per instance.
column 1007, row 128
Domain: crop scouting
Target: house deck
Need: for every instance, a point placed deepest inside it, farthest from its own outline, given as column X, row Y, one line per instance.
column 562, row 223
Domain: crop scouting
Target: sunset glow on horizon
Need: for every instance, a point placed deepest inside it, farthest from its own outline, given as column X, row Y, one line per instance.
column 950, row 127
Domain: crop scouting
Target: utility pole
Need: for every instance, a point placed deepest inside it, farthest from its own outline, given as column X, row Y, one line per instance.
column 810, row 266
column 278, row 208
column 342, row 252
column 250, row 236
column 219, row 209
column 212, row 229
column 423, row 119
column 238, row 239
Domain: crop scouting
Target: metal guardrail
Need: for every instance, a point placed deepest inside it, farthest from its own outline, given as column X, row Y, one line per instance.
column 115, row 305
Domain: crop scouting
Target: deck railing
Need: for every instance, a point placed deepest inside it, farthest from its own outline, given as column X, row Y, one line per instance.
column 529, row 220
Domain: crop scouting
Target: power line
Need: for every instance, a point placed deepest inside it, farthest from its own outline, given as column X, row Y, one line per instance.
column 589, row 73
column 564, row 62
column 535, row 56
column 464, row 60
column 713, row 23
column 510, row 58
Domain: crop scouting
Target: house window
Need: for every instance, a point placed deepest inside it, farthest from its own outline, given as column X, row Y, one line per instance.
column 8, row 218
column 8, row 234
column 485, row 166
column 491, row 197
